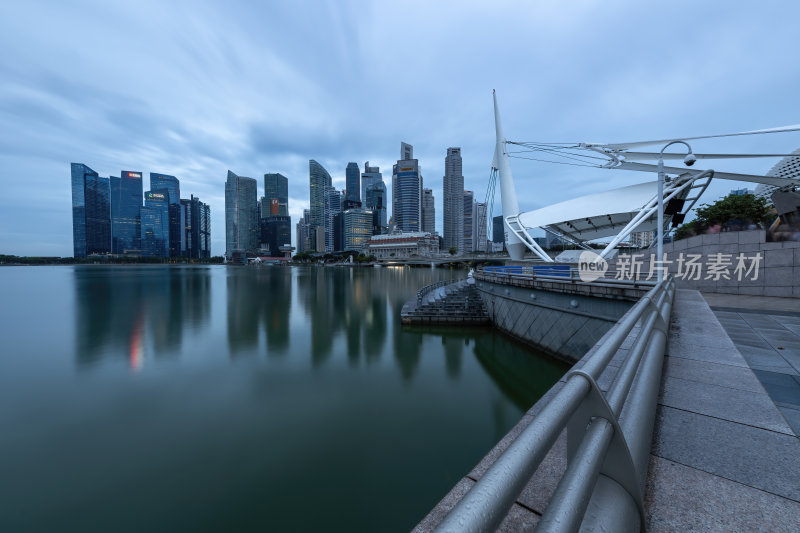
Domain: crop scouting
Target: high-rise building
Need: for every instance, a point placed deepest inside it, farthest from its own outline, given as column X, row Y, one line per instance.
column 333, row 206
column 318, row 180
column 91, row 212
column 788, row 167
column 241, row 215
column 352, row 183
column 276, row 231
column 370, row 176
column 407, row 191
column 357, row 229
column 126, row 205
column 155, row 223
column 376, row 201
column 469, row 244
column 406, row 151
column 173, row 187
column 196, row 234
column 302, row 236
column 453, row 219
column 428, row 212
column 276, row 187
column 479, row 227
column 498, row 230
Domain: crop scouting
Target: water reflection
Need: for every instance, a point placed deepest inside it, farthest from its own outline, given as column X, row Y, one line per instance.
column 120, row 310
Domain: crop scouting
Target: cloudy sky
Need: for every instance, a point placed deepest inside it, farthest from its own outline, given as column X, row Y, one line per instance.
column 196, row 88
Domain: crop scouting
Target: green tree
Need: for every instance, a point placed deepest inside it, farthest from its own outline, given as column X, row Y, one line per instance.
column 732, row 210
column 453, row 250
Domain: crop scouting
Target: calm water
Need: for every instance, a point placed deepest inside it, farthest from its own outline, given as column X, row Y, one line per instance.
column 215, row 399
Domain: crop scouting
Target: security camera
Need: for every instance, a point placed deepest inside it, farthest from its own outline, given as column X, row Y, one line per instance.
column 689, row 160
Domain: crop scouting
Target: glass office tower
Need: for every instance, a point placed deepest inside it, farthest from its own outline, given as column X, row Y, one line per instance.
column 173, row 187
column 369, row 177
column 91, row 212
column 407, row 191
column 333, row 206
column 155, row 223
column 352, row 183
column 241, row 215
column 319, row 179
column 357, row 229
column 126, row 205
column 376, row 201
column 276, row 187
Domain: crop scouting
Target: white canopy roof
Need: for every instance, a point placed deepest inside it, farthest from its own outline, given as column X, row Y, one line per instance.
column 597, row 215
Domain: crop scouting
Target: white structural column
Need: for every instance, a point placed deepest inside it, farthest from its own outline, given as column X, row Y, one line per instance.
column 508, row 196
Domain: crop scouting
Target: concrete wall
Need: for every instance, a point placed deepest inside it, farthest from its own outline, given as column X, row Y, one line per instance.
column 565, row 324
column 779, row 271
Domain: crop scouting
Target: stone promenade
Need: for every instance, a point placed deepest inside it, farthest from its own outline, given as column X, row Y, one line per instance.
column 724, row 455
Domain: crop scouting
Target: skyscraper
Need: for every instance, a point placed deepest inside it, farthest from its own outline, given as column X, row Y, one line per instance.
column 407, row 191
column 276, row 186
column 173, row 187
column 333, row 206
column 428, row 211
column 196, row 235
column 498, row 232
column 126, row 205
column 303, row 238
column 318, row 180
column 241, row 215
column 453, row 201
column 469, row 244
column 276, row 231
column 91, row 212
column 155, row 223
column 352, row 183
column 479, row 227
column 376, row 201
column 370, row 176
column 357, row 228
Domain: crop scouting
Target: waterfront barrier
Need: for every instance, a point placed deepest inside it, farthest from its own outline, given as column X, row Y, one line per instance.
column 608, row 437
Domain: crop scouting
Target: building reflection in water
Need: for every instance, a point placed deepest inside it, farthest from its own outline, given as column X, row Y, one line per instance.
column 126, row 311
column 259, row 298
column 363, row 305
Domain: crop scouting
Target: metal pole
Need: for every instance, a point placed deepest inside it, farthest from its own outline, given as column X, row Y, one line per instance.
column 660, row 229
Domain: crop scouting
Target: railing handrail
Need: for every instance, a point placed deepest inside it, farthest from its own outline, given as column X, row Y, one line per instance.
column 428, row 288
column 571, row 274
column 599, row 442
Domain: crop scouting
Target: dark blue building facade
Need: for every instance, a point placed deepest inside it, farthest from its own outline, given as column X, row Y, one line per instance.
column 91, row 212
column 353, row 183
column 126, row 205
column 155, row 223
column 173, row 187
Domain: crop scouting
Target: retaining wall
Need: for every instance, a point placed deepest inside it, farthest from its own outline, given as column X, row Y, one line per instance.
column 561, row 318
column 778, row 272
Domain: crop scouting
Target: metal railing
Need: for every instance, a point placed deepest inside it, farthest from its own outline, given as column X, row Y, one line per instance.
column 564, row 273
column 421, row 293
column 608, row 437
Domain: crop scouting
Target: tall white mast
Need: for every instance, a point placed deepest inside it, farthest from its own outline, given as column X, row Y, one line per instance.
column 508, row 196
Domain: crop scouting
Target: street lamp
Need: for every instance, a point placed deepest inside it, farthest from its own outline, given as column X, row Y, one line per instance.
column 688, row 161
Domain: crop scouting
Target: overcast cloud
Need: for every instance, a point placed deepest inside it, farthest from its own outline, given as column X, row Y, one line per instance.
column 196, row 88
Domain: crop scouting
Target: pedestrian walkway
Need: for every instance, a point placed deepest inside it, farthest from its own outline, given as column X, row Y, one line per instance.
column 767, row 334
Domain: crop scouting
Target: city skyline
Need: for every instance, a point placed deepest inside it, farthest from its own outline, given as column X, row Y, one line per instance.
column 283, row 92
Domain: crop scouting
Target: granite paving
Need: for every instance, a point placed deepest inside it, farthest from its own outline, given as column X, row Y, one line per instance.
column 767, row 334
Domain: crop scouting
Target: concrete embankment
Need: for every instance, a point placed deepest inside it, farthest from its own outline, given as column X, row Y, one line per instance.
column 559, row 317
